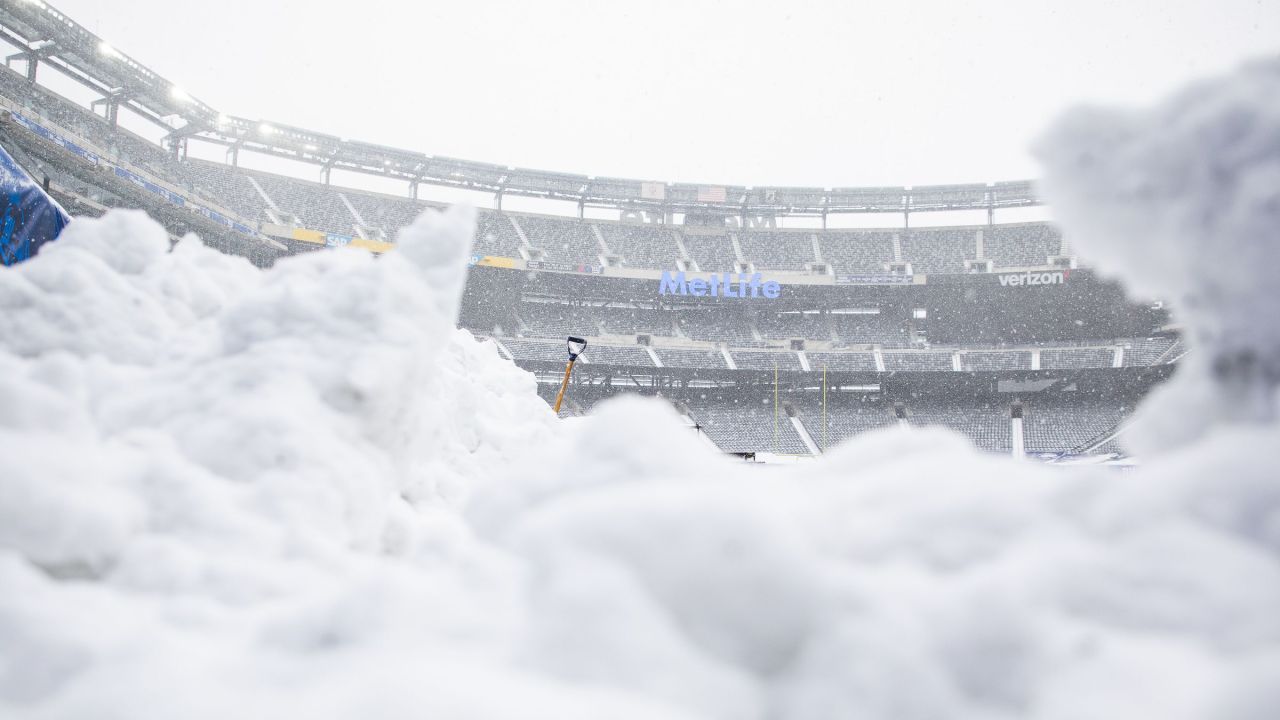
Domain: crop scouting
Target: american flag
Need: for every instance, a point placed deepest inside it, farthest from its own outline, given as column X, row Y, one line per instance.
column 710, row 193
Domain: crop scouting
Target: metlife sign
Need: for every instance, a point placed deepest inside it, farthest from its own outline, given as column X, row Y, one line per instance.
column 725, row 285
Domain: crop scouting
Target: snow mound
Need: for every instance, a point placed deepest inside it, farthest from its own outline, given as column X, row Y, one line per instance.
column 301, row 492
column 1182, row 202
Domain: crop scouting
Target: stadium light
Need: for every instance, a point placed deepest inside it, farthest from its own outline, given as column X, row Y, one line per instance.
column 311, row 148
column 105, row 48
column 223, row 120
column 177, row 93
column 266, row 129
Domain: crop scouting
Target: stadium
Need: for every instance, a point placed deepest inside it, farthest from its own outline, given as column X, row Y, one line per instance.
column 298, row 419
column 923, row 326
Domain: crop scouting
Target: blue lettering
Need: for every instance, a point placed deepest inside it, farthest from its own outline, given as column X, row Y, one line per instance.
column 673, row 285
column 719, row 285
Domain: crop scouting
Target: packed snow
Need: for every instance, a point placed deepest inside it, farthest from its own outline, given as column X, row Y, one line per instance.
column 302, row 492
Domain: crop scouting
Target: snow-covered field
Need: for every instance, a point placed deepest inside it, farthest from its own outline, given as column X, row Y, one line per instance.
column 301, row 492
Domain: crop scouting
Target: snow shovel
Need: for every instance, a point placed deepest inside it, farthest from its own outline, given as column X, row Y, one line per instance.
column 576, row 346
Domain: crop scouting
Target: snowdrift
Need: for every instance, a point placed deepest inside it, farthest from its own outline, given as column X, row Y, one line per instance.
column 301, row 492
column 1182, row 203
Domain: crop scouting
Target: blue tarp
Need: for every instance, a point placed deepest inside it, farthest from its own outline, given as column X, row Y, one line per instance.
column 30, row 218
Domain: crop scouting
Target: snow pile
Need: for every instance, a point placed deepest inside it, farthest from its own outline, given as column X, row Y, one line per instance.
column 1182, row 202
column 301, row 492
column 202, row 463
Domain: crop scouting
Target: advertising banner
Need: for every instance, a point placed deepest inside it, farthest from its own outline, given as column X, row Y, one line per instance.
column 151, row 187
column 563, row 267
column 493, row 261
column 875, row 280
column 54, row 137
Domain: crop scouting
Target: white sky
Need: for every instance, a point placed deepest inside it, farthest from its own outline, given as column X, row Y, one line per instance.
column 779, row 93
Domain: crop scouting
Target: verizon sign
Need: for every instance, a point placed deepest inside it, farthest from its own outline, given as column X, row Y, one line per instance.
column 1054, row 277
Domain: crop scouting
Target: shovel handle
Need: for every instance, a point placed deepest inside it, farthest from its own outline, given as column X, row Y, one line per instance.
column 564, row 384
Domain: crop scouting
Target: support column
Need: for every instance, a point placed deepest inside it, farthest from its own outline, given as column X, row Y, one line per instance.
column 1018, row 441
column 110, row 108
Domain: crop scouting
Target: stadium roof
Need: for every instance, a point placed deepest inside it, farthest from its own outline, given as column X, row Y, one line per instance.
column 45, row 35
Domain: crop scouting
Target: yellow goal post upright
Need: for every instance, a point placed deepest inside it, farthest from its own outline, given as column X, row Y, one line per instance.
column 576, row 347
column 775, row 409
column 824, row 409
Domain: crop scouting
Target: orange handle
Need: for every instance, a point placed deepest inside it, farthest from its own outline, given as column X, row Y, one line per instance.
column 564, row 385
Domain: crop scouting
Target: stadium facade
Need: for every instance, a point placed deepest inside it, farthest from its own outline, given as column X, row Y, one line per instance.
column 991, row 329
